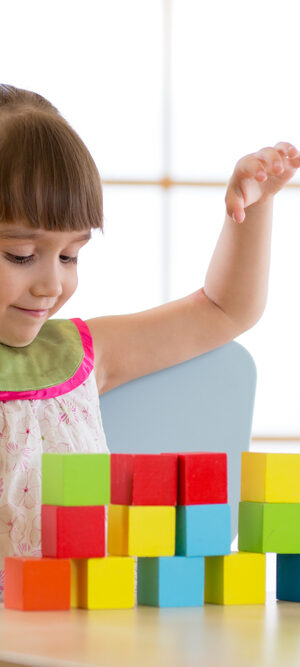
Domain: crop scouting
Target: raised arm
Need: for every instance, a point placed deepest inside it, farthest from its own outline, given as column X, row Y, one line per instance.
column 235, row 290
column 237, row 277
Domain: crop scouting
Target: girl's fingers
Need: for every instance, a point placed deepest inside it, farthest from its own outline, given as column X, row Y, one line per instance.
column 235, row 203
column 259, row 165
column 249, row 167
column 289, row 150
column 272, row 160
column 283, row 151
column 279, row 160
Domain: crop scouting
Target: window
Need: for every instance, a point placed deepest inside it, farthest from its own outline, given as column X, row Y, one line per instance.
column 167, row 95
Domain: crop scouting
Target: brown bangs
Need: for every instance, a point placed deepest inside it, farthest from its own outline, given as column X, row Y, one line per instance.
column 47, row 175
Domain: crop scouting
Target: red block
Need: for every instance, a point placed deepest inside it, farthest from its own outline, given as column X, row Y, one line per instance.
column 144, row 479
column 73, row 532
column 202, row 478
column 37, row 584
column 121, row 476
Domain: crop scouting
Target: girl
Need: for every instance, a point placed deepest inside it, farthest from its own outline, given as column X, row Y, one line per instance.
column 52, row 371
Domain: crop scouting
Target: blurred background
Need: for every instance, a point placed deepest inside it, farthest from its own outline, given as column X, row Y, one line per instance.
column 168, row 95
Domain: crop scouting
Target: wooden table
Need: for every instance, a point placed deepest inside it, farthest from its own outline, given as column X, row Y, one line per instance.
column 149, row 637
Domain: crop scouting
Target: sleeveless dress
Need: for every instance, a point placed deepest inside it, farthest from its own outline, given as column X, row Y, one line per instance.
column 48, row 403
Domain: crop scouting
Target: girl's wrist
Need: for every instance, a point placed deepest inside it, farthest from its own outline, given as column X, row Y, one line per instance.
column 260, row 208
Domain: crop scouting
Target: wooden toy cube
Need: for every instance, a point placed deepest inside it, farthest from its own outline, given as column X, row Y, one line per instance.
column 272, row 478
column 273, row 527
column 238, row 578
column 75, row 582
column 171, row 582
column 203, row 530
column 75, row 479
column 103, row 583
column 288, row 577
column 73, row 532
column 144, row 479
column 202, row 478
column 37, row 584
column 141, row 531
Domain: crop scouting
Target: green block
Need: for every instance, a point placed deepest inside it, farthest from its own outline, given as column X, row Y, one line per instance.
column 148, row 581
column 75, row 479
column 269, row 527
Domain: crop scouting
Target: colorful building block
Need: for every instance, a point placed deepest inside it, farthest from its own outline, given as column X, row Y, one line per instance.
column 73, row 532
column 144, row 479
column 272, row 478
column 103, row 583
column 75, row 479
column 75, row 582
column 202, row 478
column 141, row 531
column 37, row 584
column 203, row 530
column 171, row 582
column 270, row 527
column 288, row 577
column 238, row 578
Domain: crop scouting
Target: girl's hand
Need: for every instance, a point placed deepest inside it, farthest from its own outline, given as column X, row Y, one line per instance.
column 260, row 175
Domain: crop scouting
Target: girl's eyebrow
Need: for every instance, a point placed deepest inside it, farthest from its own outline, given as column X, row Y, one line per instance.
column 22, row 234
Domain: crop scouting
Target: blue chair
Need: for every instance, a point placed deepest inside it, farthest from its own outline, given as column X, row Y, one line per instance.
column 204, row 404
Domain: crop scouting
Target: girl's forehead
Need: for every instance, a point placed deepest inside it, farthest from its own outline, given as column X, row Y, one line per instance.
column 25, row 231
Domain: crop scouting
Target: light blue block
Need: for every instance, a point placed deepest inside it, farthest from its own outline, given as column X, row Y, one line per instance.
column 203, row 530
column 171, row 581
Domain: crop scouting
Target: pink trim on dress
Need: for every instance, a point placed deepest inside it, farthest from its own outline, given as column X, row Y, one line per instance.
column 79, row 376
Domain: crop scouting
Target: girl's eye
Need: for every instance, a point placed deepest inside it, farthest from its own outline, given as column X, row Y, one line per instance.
column 18, row 259
column 68, row 260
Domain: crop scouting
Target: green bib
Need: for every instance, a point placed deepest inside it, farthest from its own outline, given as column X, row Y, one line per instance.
column 51, row 359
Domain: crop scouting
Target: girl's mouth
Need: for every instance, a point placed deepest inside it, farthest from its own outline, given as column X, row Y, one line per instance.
column 34, row 313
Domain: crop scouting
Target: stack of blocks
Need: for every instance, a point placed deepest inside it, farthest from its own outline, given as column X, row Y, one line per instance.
column 170, row 512
column 73, row 568
column 239, row 577
column 269, row 515
column 167, row 510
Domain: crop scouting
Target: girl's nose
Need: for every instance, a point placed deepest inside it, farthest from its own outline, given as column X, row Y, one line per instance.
column 47, row 283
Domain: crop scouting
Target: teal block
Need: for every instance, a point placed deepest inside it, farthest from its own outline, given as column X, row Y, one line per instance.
column 203, row 530
column 171, row 581
column 269, row 527
column 75, row 479
column 288, row 577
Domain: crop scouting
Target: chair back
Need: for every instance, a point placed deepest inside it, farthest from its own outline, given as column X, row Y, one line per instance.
column 204, row 404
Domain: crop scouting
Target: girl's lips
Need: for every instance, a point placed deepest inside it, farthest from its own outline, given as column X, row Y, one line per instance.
column 34, row 313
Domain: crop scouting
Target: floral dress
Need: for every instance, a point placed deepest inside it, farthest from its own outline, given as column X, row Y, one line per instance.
column 48, row 403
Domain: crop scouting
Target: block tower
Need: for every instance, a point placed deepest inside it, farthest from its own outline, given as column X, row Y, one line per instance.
column 239, row 577
column 269, row 514
column 77, row 487
column 168, row 511
column 74, row 569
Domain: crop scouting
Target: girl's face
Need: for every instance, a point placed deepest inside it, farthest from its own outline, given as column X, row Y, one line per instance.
column 38, row 274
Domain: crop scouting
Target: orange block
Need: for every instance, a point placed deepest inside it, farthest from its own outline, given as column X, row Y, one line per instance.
column 37, row 584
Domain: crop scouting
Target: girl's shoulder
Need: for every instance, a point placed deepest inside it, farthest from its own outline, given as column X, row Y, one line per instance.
column 59, row 359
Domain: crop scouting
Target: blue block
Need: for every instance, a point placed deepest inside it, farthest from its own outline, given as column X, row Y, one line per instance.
column 170, row 581
column 203, row 530
column 288, row 577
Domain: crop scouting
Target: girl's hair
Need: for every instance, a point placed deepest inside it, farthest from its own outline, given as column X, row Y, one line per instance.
column 47, row 175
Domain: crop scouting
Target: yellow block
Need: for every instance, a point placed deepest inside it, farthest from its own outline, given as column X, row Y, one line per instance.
column 239, row 578
column 141, row 530
column 270, row 478
column 103, row 583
